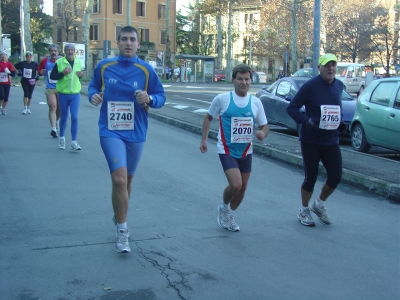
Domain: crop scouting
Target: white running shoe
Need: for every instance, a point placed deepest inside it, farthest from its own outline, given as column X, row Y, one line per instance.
column 232, row 224
column 75, row 146
column 25, row 111
column 321, row 213
column 122, row 244
column 223, row 218
column 61, row 145
column 305, row 217
column 3, row 112
column 28, row 110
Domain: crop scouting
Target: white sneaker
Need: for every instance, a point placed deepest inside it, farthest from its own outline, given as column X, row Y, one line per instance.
column 3, row 112
column 61, row 145
column 122, row 244
column 232, row 224
column 24, row 111
column 223, row 218
column 28, row 110
column 75, row 146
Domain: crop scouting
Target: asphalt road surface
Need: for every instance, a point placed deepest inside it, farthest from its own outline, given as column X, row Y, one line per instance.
column 57, row 238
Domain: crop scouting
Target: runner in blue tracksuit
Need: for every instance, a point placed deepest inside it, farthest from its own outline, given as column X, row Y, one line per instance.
column 319, row 136
column 126, row 86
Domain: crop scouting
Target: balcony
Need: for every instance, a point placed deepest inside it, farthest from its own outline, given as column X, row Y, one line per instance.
column 146, row 46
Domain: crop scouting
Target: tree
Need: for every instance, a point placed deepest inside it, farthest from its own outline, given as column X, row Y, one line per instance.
column 351, row 40
column 383, row 34
column 41, row 27
column 68, row 16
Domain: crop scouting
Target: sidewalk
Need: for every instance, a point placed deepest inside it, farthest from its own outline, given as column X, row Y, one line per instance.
column 367, row 172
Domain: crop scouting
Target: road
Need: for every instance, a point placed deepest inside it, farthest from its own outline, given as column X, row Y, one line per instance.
column 57, row 238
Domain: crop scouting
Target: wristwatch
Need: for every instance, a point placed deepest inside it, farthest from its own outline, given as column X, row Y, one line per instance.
column 150, row 100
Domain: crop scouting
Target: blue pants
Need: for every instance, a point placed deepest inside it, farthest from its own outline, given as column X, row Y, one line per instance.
column 70, row 101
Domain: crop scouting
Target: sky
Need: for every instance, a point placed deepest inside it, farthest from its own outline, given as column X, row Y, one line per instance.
column 48, row 6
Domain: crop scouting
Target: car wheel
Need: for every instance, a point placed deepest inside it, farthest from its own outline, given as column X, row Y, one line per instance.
column 360, row 91
column 358, row 140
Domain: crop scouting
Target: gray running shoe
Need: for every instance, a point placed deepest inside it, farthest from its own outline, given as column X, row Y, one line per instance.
column 61, row 145
column 305, row 217
column 223, row 217
column 321, row 214
column 122, row 244
column 232, row 224
column 75, row 146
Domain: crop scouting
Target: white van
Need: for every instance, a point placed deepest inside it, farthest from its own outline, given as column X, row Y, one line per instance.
column 352, row 75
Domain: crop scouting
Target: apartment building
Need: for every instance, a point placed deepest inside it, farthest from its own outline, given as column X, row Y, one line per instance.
column 107, row 18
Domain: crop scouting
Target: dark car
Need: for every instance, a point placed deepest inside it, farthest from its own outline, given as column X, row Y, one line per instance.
column 220, row 75
column 276, row 97
column 305, row 72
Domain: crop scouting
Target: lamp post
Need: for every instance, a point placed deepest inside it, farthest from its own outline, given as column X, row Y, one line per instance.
column 251, row 42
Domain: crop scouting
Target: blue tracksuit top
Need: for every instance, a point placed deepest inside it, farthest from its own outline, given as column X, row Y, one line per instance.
column 119, row 77
column 312, row 94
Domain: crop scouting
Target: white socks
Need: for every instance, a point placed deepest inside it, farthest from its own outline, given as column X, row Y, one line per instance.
column 122, row 226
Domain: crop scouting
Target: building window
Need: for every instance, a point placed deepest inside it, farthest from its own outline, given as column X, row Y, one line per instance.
column 163, row 39
column 117, row 7
column 96, row 7
column 161, row 11
column 59, row 9
column 75, row 33
column 94, row 32
column 144, row 35
column 59, row 34
column 140, row 9
column 117, row 29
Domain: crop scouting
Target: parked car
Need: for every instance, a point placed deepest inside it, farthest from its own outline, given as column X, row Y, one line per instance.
column 377, row 117
column 276, row 97
column 352, row 75
column 305, row 72
column 220, row 75
column 262, row 77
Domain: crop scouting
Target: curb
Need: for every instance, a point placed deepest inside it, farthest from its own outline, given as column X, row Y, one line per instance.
column 377, row 186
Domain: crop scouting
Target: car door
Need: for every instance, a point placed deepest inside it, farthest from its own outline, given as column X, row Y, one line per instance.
column 267, row 102
column 376, row 112
column 393, row 123
column 351, row 80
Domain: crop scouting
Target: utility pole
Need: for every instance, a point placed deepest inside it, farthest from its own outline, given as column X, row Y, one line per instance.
column 317, row 36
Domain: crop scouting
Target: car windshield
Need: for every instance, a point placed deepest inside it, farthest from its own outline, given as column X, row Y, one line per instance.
column 346, row 96
column 304, row 72
column 341, row 71
column 219, row 71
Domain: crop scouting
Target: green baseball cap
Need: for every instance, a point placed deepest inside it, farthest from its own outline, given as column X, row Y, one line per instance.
column 324, row 59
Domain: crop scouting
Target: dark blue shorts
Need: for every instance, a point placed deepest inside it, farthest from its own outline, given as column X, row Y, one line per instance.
column 229, row 162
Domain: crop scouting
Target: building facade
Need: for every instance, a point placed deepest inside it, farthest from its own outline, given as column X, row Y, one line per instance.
column 107, row 17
